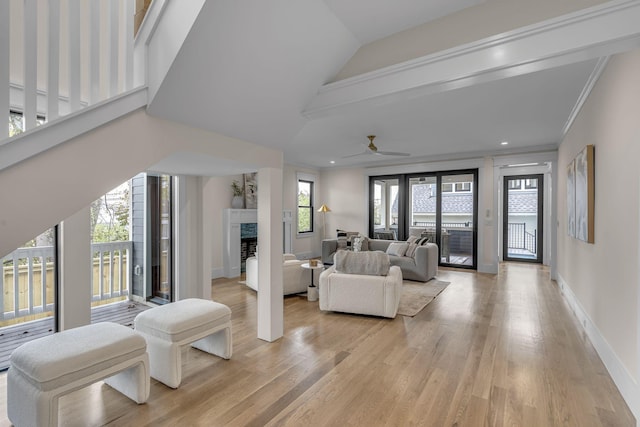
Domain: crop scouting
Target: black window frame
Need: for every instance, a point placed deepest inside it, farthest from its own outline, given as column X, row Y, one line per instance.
column 310, row 207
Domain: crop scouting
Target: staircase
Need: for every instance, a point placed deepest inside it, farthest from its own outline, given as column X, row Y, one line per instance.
column 77, row 75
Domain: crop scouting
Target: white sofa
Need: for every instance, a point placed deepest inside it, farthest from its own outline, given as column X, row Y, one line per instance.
column 295, row 279
column 376, row 295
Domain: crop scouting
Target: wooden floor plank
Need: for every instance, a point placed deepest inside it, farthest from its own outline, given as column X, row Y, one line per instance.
column 488, row 351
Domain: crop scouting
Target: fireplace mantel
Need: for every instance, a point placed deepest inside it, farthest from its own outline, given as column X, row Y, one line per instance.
column 232, row 219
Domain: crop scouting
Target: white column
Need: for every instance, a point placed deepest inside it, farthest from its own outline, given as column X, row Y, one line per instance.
column 189, row 238
column 4, row 69
column 270, row 299
column 75, row 270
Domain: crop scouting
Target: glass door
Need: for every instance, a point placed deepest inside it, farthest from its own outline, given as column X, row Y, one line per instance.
column 522, row 218
column 423, row 205
column 457, row 219
column 385, row 208
column 159, row 190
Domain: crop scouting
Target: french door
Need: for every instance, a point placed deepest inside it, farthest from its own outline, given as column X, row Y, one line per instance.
column 522, row 218
column 443, row 208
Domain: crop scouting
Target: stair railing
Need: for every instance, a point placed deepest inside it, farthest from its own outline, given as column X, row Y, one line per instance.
column 59, row 56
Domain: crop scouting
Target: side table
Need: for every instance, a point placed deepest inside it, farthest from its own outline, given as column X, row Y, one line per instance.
column 312, row 290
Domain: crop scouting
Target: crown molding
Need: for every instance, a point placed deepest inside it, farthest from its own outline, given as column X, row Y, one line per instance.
column 588, row 87
column 590, row 33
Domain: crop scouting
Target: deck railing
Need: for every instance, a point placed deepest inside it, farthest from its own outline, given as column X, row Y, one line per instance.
column 27, row 280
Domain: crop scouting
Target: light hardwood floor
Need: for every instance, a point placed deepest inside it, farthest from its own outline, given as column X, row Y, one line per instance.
column 488, row 351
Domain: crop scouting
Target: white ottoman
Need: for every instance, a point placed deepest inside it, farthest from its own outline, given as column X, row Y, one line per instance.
column 204, row 324
column 46, row 368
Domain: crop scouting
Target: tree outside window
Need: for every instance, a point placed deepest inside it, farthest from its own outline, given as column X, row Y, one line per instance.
column 305, row 206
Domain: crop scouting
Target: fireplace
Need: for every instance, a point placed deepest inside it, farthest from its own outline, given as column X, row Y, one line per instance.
column 248, row 243
column 236, row 248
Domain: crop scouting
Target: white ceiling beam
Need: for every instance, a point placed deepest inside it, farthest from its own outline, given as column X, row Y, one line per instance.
column 590, row 33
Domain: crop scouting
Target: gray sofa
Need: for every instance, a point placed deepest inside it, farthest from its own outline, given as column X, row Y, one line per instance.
column 421, row 267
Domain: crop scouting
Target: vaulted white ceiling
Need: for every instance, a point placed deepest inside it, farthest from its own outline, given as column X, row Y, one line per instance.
column 258, row 71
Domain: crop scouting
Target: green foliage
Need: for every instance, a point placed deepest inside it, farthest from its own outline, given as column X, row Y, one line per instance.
column 110, row 219
column 304, row 212
column 236, row 188
column 110, row 233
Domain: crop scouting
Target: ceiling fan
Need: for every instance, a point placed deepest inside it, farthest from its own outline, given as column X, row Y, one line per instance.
column 372, row 149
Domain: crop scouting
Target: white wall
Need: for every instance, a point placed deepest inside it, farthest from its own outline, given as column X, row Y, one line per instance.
column 303, row 246
column 602, row 279
column 217, row 198
column 345, row 192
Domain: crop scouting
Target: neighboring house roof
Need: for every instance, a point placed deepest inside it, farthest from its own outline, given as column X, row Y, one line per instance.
column 424, row 201
column 525, row 201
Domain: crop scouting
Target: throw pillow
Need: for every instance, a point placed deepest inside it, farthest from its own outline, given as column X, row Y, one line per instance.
column 397, row 248
column 411, row 249
column 374, row 263
column 360, row 243
column 412, row 239
column 345, row 238
column 342, row 239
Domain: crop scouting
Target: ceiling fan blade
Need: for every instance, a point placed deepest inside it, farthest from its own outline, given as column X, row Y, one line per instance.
column 389, row 153
column 357, row 154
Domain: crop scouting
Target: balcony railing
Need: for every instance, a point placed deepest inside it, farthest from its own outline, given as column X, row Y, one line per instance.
column 27, row 279
column 520, row 238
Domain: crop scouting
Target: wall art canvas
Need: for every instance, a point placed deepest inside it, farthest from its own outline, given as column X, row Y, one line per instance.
column 585, row 195
column 571, row 199
column 251, row 190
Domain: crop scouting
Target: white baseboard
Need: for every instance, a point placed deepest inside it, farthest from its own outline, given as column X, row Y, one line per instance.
column 619, row 373
column 488, row 268
column 217, row 272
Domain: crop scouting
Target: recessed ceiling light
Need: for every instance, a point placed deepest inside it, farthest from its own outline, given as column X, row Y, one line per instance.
column 333, row 162
column 504, row 143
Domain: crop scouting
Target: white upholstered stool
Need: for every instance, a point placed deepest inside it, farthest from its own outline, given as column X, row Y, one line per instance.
column 44, row 369
column 204, row 324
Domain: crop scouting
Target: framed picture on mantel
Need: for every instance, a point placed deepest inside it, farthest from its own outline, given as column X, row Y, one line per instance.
column 251, row 190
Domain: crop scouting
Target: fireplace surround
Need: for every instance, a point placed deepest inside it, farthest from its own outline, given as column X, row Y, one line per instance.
column 232, row 237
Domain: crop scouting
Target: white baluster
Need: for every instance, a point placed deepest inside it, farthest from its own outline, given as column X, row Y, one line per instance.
column 129, row 15
column 30, row 89
column 113, row 47
column 53, row 76
column 4, row 72
column 74, row 54
column 94, row 51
